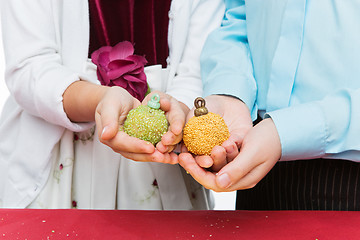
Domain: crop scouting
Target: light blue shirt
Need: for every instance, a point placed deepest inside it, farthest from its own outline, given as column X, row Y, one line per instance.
column 298, row 61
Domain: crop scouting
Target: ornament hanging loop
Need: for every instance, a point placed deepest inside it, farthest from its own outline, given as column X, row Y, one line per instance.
column 154, row 101
column 200, row 108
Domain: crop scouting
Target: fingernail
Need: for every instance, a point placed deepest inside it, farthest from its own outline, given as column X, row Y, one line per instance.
column 104, row 130
column 231, row 150
column 166, row 149
column 224, row 180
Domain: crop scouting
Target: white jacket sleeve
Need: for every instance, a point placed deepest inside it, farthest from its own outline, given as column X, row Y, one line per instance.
column 35, row 73
column 205, row 16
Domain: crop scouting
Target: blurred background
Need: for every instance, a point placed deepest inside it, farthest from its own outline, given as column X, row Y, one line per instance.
column 3, row 90
column 223, row 201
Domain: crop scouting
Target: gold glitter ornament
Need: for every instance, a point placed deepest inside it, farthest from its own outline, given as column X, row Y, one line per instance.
column 205, row 130
column 147, row 122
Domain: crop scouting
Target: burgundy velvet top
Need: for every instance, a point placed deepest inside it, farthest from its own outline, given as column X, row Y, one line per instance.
column 142, row 22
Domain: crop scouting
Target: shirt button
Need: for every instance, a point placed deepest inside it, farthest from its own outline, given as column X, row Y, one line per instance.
column 171, row 15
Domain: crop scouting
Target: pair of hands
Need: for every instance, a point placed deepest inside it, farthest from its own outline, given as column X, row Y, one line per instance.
column 240, row 163
column 111, row 113
column 244, row 159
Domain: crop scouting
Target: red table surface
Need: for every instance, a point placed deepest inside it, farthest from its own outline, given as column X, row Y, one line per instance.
column 130, row 224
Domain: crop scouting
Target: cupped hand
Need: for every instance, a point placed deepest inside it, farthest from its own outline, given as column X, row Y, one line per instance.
column 110, row 115
column 175, row 112
column 259, row 152
column 237, row 117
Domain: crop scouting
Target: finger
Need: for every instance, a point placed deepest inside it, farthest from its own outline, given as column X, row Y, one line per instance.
column 246, row 170
column 252, row 178
column 236, row 138
column 174, row 157
column 177, row 123
column 108, row 118
column 125, row 143
column 183, row 148
column 139, row 157
column 153, row 157
column 175, row 116
column 204, row 161
column 234, row 171
column 166, row 158
column 169, row 138
column 202, row 176
column 218, row 154
column 99, row 126
column 165, row 103
column 164, row 148
column 231, row 149
column 258, row 154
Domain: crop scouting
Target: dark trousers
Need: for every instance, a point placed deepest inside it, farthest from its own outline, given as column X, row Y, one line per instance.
column 318, row 184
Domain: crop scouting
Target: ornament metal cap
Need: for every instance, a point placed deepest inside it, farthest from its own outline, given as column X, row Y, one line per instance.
column 200, row 107
column 154, row 101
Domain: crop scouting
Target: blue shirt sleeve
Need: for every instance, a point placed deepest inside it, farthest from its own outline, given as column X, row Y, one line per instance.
column 226, row 66
column 306, row 74
column 327, row 128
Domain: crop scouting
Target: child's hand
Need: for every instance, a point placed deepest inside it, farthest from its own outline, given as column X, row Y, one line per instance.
column 110, row 114
column 175, row 112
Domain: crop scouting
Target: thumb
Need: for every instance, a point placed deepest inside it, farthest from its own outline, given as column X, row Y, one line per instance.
column 108, row 123
column 235, row 171
column 175, row 115
column 108, row 117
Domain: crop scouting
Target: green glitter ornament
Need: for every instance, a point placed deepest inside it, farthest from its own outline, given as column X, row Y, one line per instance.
column 147, row 122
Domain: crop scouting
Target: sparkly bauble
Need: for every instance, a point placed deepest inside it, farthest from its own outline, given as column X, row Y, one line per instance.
column 146, row 123
column 204, row 131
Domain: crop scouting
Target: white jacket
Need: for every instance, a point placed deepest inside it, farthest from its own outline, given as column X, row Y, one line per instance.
column 46, row 48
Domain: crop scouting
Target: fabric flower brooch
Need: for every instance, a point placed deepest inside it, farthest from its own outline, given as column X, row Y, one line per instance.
column 118, row 66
